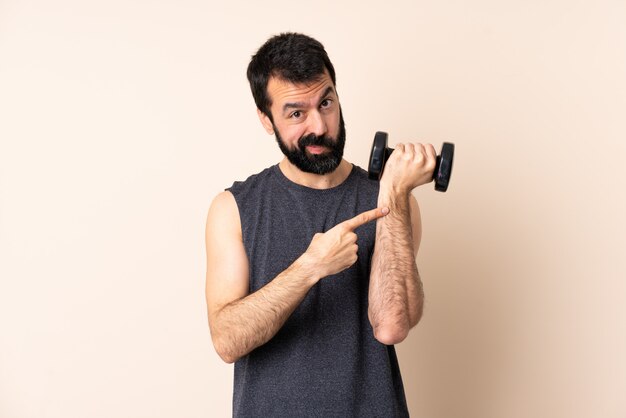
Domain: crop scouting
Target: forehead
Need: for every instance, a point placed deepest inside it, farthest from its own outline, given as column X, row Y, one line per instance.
column 281, row 91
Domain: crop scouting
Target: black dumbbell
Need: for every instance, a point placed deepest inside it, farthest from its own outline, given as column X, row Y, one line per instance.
column 380, row 153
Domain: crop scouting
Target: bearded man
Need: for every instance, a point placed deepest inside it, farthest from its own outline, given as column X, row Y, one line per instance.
column 311, row 272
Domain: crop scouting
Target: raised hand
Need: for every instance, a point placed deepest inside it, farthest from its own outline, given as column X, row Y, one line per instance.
column 409, row 166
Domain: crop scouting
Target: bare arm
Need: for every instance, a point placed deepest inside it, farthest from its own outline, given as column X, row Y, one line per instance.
column 396, row 295
column 241, row 321
column 249, row 322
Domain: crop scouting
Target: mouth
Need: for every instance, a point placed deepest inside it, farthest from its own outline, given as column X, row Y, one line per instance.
column 316, row 149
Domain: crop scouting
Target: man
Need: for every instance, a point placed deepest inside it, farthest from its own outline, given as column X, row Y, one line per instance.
column 305, row 293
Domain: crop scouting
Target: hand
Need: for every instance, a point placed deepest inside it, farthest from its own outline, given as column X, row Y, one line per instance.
column 336, row 249
column 409, row 166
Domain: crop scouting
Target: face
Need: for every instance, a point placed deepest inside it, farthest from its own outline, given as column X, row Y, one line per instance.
column 308, row 124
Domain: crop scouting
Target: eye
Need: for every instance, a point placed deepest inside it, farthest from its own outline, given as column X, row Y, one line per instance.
column 326, row 103
column 296, row 115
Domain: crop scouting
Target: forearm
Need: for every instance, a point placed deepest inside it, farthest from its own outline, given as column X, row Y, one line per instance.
column 240, row 321
column 247, row 323
column 395, row 290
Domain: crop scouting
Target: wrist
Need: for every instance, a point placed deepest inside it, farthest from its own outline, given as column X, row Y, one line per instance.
column 306, row 268
column 392, row 193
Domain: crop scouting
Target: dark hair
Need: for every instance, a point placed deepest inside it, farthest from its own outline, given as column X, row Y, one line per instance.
column 292, row 57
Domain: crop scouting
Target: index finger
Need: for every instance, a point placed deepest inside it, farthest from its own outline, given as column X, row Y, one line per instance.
column 365, row 217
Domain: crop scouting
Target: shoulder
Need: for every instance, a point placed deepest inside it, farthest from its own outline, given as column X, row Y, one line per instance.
column 225, row 207
column 223, row 215
column 223, row 201
column 252, row 182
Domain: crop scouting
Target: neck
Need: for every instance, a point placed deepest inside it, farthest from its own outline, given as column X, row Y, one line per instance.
column 316, row 181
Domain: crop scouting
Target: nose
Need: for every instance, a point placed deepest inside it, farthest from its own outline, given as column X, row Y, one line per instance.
column 317, row 124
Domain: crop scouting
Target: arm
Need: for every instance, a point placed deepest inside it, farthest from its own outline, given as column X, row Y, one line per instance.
column 396, row 296
column 241, row 321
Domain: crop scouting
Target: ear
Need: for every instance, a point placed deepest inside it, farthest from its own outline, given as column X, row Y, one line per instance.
column 266, row 122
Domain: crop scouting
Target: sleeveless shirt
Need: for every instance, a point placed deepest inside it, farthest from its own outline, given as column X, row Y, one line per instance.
column 324, row 361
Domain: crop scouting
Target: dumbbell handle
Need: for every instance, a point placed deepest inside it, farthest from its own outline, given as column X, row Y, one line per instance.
column 388, row 152
column 380, row 154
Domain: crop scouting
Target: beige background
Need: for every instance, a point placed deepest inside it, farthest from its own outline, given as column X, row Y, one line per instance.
column 121, row 119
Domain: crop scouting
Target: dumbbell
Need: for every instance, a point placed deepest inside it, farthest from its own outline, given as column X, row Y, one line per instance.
column 380, row 153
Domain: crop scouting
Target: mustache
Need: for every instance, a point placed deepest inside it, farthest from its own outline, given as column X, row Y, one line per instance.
column 312, row 139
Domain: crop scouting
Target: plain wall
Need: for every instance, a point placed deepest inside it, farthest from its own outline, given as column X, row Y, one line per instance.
column 121, row 120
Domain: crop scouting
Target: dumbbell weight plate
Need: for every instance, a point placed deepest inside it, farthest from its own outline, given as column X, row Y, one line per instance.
column 443, row 169
column 377, row 156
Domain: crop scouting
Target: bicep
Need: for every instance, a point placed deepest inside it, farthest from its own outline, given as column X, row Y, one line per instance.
column 227, row 262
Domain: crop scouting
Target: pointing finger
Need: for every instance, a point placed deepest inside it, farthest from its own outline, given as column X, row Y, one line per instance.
column 365, row 217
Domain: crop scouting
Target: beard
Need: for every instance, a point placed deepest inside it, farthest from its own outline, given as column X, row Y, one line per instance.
column 323, row 163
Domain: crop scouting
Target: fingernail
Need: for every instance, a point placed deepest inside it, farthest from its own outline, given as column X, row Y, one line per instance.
column 385, row 210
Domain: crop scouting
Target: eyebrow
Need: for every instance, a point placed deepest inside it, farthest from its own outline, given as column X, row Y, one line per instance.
column 298, row 105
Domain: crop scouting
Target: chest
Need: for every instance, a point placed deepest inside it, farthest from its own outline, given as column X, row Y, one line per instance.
column 279, row 227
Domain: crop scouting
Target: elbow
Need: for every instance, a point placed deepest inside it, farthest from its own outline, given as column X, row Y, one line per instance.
column 393, row 331
column 221, row 348
column 226, row 358
column 390, row 335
